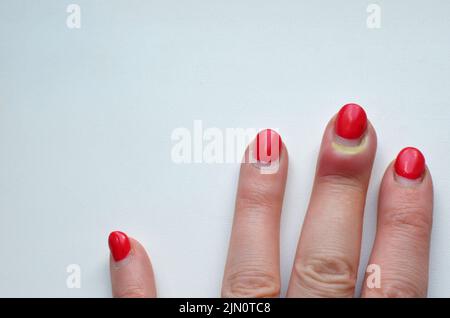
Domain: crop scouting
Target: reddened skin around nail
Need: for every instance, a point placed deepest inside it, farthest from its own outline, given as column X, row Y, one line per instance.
column 351, row 121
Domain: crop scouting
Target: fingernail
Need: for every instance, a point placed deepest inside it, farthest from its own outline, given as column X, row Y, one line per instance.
column 119, row 244
column 351, row 122
column 267, row 146
column 410, row 163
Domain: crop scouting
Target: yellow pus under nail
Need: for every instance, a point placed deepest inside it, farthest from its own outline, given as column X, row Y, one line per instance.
column 345, row 147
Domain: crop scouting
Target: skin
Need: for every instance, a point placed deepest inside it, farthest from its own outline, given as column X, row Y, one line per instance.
column 133, row 276
column 328, row 250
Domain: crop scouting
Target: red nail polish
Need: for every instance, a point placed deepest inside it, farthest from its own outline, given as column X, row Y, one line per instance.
column 410, row 163
column 351, row 121
column 119, row 244
column 268, row 146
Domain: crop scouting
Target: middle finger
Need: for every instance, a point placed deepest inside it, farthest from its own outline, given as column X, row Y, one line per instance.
column 328, row 251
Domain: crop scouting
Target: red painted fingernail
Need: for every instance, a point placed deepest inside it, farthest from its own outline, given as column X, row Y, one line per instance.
column 410, row 163
column 351, row 122
column 119, row 244
column 268, row 146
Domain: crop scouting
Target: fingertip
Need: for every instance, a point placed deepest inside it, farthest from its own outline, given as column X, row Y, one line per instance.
column 403, row 196
column 267, row 153
column 393, row 183
column 351, row 157
column 410, row 164
column 268, row 146
column 130, row 267
column 351, row 121
column 408, row 170
column 119, row 245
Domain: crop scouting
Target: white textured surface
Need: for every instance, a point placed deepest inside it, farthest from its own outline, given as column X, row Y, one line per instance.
column 86, row 117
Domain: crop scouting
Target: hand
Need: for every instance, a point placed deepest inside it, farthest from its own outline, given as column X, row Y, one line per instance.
column 327, row 257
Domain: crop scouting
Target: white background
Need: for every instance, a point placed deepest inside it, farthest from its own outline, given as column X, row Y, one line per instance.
column 86, row 118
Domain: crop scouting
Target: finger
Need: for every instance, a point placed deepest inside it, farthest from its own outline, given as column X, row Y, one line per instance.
column 253, row 265
column 131, row 270
column 398, row 266
column 328, row 250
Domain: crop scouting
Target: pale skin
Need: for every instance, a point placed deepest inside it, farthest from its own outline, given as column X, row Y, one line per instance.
column 328, row 251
